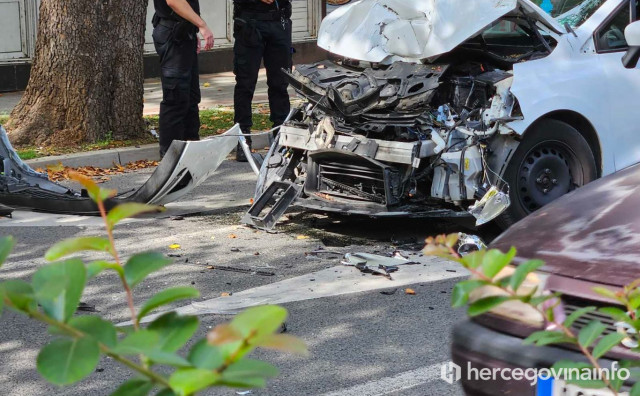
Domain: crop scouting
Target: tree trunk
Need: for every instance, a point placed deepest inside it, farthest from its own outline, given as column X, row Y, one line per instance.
column 86, row 81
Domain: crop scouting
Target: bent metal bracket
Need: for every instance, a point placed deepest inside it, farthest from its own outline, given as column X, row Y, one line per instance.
column 185, row 166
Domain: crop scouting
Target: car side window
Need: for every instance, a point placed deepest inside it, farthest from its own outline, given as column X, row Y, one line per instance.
column 610, row 37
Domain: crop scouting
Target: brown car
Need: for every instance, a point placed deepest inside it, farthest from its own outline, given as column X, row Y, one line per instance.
column 588, row 238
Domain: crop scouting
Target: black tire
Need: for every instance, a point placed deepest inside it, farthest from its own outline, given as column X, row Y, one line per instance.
column 552, row 160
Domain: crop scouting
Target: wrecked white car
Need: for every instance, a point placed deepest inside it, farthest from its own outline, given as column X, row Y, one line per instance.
column 442, row 108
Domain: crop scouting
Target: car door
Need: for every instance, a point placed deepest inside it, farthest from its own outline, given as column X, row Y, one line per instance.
column 623, row 85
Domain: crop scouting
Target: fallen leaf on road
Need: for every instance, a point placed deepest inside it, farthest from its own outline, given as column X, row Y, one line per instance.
column 175, row 246
column 410, row 292
column 233, row 236
column 56, row 168
column 301, row 237
column 206, row 85
column 251, row 201
column 213, row 238
column 225, row 294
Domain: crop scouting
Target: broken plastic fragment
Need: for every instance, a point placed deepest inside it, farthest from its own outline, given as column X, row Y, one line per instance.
column 469, row 243
column 492, row 205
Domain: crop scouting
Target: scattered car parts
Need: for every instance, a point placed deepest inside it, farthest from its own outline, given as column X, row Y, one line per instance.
column 185, row 166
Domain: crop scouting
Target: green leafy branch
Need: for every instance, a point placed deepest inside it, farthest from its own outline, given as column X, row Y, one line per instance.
column 53, row 295
column 496, row 280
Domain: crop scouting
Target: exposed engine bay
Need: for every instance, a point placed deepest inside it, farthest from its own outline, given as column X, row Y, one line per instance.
column 425, row 139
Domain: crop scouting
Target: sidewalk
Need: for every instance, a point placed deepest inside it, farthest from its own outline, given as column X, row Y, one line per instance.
column 218, row 93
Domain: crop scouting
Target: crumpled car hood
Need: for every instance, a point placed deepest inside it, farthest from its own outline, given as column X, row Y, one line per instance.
column 385, row 31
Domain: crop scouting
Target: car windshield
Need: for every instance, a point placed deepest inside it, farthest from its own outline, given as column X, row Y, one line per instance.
column 573, row 12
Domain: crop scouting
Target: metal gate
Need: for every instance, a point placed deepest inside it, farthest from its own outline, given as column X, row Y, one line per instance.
column 18, row 22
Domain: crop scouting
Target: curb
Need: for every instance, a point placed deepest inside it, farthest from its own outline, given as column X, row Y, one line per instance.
column 120, row 156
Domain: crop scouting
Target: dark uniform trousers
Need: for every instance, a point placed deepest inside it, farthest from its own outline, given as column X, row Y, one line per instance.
column 179, row 118
column 259, row 37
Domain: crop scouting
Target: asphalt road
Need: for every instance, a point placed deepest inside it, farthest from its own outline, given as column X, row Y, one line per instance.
column 362, row 342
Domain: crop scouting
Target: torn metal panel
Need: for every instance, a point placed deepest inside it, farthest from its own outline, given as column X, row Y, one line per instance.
column 185, row 166
column 385, row 31
column 376, row 264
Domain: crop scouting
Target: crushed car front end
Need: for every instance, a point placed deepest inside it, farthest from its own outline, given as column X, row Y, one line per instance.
column 398, row 136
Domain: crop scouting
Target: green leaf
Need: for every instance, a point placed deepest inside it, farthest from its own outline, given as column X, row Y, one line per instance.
column 495, row 261
column 166, row 297
column 569, row 367
column 608, row 293
column 284, row 343
column 166, row 392
column 634, row 301
column 6, row 246
column 635, row 391
column 140, row 342
column 522, row 271
column 174, row 331
column 134, row 387
column 474, row 260
column 590, row 333
column 19, row 294
column 58, row 288
column 542, row 338
column 205, row 356
column 616, row 314
column 102, row 331
column 188, row 381
column 259, row 321
column 66, row 361
column 71, row 246
column 141, row 265
column 535, row 301
column 168, row 358
column 248, row 373
column 461, row 291
column 486, row 304
column 128, row 210
column 577, row 315
column 96, row 267
column 607, row 343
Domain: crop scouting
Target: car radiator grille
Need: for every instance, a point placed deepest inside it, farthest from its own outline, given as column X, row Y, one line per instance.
column 356, row 182
column 570, row 306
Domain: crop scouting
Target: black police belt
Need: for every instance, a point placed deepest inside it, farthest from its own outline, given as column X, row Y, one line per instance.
column 262, row 16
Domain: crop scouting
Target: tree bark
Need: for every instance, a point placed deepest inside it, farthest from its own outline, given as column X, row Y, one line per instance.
column 86, row 81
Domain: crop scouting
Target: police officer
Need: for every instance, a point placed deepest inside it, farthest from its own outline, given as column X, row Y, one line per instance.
column 176, row 26
column 262, row 31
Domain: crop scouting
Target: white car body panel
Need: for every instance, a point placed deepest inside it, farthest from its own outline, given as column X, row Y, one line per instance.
column 574, row 77
column 385, row 31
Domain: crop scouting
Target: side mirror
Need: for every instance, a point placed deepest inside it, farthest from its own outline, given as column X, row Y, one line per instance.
column 632, row 35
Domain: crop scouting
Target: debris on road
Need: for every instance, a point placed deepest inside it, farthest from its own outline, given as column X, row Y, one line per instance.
column 240, row 270
column 410, row 292
column 376, row 264
column 6, row 211
column 469, row 243
column 389, row 292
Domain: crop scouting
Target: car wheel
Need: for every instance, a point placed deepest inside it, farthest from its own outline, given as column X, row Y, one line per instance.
column 552, row 160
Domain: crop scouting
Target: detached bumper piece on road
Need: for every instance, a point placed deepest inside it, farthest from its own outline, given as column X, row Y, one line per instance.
column 185, row 166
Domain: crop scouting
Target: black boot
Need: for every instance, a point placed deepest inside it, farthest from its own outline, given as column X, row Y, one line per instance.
column 240, row 155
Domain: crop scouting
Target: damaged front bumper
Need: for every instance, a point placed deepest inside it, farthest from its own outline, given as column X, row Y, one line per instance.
column 185, row 166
